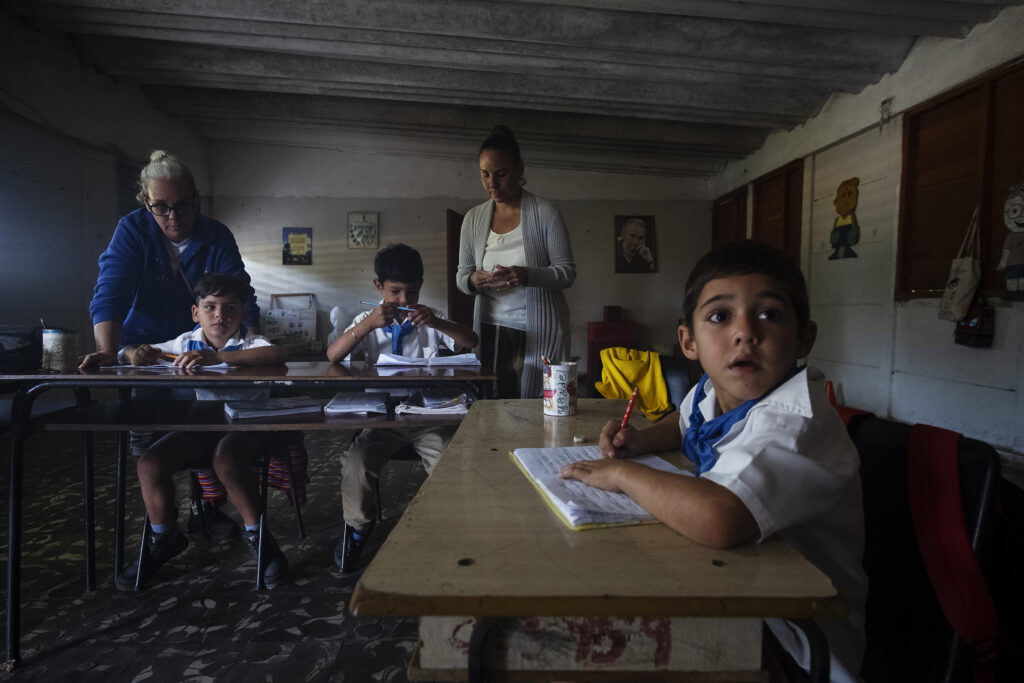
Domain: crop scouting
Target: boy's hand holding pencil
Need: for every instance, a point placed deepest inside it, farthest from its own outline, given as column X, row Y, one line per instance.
column 143, row 354
column 618, row 439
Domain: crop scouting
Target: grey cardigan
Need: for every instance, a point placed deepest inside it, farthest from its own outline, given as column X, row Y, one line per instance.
column 550, row 269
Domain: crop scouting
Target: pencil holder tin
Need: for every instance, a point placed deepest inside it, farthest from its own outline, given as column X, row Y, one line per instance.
column 60, row 349
column 560, row 389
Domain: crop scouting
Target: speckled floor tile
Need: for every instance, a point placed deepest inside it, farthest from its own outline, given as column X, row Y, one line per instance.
column 201, row 619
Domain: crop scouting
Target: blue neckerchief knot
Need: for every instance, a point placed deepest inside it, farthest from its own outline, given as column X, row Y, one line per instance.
column 397, row 332
column 702, row 435
column 200, row 345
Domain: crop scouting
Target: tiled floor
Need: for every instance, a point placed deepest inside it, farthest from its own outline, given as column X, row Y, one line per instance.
column 202, row 620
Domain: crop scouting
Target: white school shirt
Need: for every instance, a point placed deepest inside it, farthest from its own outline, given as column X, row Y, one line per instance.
column 508, row 307
column 422, row 342
column 792, row 463
column 179, row 345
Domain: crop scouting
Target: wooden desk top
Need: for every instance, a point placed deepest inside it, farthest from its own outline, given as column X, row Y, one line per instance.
column 478, row 540
column 301, row 371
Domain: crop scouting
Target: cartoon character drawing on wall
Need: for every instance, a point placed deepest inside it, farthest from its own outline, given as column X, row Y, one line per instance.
column 1012, row 260
column 845, row 230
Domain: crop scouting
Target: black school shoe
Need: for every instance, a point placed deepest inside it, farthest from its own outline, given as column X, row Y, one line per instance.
column 219, row 526
column 275, row 564
column 346, row 553
column 161, row 547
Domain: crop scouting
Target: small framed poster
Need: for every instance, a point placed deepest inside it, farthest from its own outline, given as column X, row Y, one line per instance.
column 363, row 230
column 297, row 249
column 634, row 245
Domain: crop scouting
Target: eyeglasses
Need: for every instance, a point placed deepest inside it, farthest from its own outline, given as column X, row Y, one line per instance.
column 181, row 209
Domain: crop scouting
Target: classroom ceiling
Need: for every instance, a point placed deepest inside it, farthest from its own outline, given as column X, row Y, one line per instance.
column 675, row 87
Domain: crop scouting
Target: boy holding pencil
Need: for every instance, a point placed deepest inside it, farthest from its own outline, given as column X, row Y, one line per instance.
column 399, row 324
column 771, row 454
column 219, row 337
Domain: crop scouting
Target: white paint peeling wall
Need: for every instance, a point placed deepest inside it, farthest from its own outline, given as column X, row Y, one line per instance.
column 897, row 359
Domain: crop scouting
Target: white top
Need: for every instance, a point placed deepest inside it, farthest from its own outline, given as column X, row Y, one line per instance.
column 180, row 345
column 508, row 307
column 422, row 342
column 792, row 463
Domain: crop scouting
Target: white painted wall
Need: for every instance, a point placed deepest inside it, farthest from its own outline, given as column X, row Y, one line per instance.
column 318, row 188
column 896, row 359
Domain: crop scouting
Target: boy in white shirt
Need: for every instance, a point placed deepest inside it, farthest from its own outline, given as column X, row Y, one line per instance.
column 771, row 454
column 220, row 337
column 399, row 325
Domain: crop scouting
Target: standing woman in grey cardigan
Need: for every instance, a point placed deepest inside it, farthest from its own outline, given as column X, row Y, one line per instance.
column 515, row 257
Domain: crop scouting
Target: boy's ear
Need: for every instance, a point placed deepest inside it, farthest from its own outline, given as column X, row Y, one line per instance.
column 805, row 341
column 195, row 313
column 378, row 285
column 687, row 343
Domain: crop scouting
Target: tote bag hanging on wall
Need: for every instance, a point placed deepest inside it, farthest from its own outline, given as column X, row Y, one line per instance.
column 964, row 275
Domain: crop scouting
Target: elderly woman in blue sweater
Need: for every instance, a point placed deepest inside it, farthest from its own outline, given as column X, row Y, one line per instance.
column 157, row 254
column 515, row 256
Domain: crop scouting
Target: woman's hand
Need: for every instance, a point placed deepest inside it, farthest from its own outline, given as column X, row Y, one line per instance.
column 507, row 277
column 481, row 280
column 97, row 359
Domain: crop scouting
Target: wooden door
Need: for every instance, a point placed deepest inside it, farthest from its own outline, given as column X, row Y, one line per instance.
column 460, row 306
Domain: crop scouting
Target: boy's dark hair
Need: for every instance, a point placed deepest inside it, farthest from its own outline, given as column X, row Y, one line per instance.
column 221, row 284
column 502, row 140
column 398, row 263
column 746, row 258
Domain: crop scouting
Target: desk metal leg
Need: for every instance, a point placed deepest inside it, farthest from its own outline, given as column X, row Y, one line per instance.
column 477, row 647
column 90, row 511
column 122, row 459
column 21, row 412
column 14, row 556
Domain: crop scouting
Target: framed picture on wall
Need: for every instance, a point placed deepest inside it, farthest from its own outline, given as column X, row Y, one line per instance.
column 363, row 230
column 297, row 247
column 635, row 250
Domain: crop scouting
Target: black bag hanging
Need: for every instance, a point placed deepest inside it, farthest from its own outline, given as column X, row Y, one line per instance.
column 21, row 348
column 978, row 326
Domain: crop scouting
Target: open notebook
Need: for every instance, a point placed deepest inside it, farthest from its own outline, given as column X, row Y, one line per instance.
column 579, row 506
column 457, row 359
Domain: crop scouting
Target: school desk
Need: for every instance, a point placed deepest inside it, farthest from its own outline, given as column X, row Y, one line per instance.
column 478, row 543
column 123, row 414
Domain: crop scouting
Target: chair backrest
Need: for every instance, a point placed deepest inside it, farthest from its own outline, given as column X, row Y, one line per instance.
column 677, row 378
column 908, row 636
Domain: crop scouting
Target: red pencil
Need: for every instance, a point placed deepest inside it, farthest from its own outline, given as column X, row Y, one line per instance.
column 629, row 410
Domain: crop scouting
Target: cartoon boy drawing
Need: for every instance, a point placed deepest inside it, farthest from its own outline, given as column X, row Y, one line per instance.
column 1012, row 260
column 845, row 230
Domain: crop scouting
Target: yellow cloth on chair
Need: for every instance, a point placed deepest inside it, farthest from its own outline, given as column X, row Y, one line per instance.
column 622, row 369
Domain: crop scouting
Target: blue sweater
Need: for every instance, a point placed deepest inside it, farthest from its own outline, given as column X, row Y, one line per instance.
column 137, row 287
